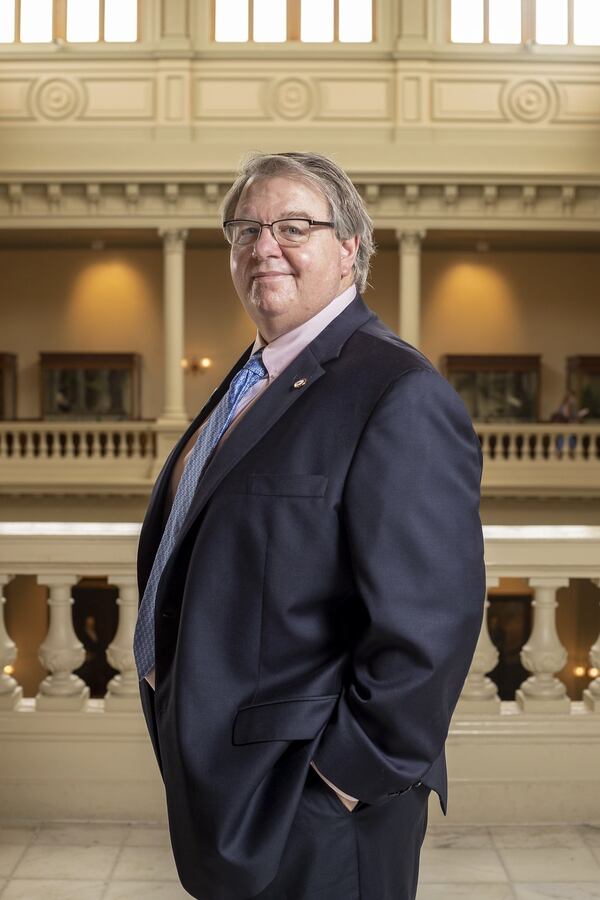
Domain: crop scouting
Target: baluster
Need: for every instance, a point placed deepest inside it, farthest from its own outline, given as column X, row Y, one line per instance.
column 543, row 654
column 479, row 693
column 123, row 690
column 10, row 692
column 26, row 439
column 61, row 652
column 576, row 438
column 591, row 695
column 511, row 445
column 93, row 444
column 71, row 448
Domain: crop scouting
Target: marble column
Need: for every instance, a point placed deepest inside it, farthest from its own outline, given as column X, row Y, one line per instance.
column 61, row 652
column 543, row 654
column 174, row 311
column 591, row 695
column 409, row 315
column 123, row 690
column 480, row 694
column 10, row 692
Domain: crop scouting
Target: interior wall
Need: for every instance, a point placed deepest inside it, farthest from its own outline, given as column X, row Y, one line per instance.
column 91, row 301
column 513, row 302
column 79, row 300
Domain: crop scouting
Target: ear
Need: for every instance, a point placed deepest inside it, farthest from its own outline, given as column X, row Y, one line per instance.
column 348, row 250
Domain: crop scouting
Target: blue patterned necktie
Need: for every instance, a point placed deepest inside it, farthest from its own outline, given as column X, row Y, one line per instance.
column 216, row 424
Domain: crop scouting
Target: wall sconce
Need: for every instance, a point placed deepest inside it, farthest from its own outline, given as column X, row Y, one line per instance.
column 194, row 365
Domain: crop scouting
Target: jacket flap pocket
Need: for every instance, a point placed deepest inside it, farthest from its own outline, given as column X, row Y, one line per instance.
column 288, row 484
column 283, row 720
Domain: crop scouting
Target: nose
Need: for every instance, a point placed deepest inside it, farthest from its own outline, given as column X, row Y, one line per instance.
column 266, row 245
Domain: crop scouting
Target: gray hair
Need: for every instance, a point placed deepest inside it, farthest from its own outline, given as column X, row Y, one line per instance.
column 347, row 208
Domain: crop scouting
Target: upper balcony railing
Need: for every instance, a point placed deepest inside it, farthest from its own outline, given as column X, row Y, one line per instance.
column 531, row 459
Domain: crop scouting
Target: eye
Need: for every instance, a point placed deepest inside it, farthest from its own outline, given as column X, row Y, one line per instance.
column 291, row 229
column 248, row 230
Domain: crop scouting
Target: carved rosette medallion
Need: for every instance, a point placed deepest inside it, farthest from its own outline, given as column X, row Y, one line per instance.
column 293, row 98
column 528, row 101
column 57, row 98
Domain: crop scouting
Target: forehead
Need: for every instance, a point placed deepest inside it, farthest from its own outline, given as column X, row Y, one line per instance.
column 280, row 195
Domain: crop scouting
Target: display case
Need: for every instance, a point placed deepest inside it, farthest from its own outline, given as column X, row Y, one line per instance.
column 90, row 386
column 497, row 388
column 8, row 386
column 583, row 379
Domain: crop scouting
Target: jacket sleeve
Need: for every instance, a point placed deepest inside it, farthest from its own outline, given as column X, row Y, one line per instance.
column 411, row 514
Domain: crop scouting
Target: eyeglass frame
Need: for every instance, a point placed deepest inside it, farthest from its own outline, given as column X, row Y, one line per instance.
column 269, row 225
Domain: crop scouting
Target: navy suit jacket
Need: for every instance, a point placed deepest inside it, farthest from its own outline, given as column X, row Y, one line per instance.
column 323, row 601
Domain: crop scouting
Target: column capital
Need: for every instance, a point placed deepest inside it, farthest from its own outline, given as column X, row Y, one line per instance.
column 57, row 580
column 173, row 238
column 410, row 239
column 548, row 582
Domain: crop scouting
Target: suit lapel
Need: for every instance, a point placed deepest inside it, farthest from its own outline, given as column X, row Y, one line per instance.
column 287, row 388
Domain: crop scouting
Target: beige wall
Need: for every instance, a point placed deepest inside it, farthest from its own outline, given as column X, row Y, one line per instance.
column 497, row 302
column 513, row 302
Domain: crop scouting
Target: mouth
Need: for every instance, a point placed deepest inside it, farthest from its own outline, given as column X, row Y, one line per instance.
column 267, row 275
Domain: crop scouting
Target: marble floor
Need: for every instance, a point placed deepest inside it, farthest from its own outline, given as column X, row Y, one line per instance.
column 83, row 861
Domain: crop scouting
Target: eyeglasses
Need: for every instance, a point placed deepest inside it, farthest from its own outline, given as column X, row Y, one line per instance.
column 287, row 232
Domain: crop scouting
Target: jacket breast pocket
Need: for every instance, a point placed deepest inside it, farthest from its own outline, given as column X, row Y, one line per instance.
column 298, row 719
column 287, row 484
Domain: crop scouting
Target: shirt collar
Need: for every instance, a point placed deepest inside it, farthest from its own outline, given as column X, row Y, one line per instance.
column 281, row 351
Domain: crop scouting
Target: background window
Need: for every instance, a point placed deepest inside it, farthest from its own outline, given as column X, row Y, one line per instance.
column 552, row 21
column 36, row 21
column 76, row 21
column 309, row 21
column 545, row 22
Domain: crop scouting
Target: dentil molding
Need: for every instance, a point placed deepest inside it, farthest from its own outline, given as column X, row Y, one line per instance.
column 394, row 202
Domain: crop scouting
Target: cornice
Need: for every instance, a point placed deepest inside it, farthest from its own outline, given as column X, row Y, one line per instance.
column 193, row 201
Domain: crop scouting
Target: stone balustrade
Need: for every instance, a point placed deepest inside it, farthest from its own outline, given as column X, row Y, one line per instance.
column 81, row 441
column 548, row 557
column 101, row 457
column 537, row 442
column 58, row 554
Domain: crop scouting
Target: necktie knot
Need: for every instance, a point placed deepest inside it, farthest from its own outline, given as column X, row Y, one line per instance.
column 253, row 371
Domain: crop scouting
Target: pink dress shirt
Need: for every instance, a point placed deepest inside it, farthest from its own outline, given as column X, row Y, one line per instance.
column 276, row 357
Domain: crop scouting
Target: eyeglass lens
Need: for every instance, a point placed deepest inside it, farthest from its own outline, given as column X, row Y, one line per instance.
column 286, row 231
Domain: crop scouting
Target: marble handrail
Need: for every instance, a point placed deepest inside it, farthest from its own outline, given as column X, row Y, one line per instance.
column 59, row 553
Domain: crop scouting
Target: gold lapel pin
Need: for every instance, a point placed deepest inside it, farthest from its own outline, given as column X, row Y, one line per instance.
column 300, row 383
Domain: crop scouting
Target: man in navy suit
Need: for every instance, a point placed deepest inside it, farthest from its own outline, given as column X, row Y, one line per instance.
column 321, row 598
